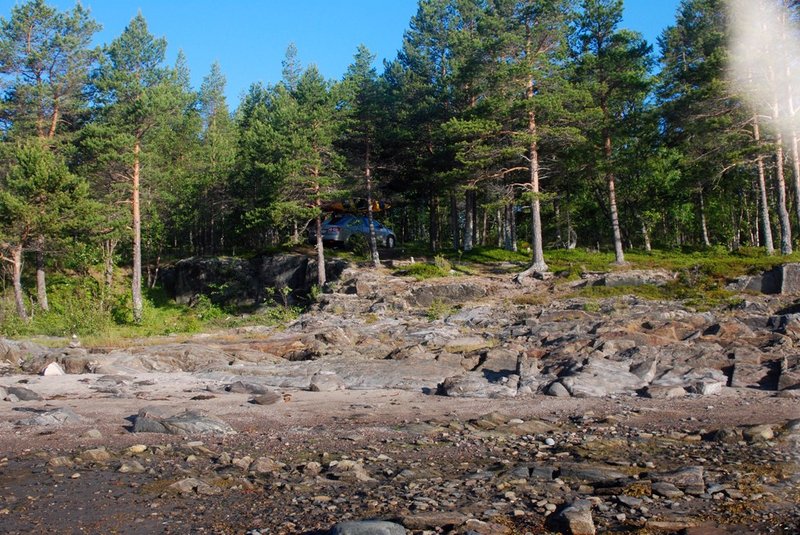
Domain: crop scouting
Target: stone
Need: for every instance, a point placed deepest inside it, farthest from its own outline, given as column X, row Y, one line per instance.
column 558, row 390
column 367, row 527
column 53, row 369
column 153, row 420
column 131, row 467
column 265, row 465
column 667, row 490
column 450, row 294
column 269, row 398
column 92, row 434
column 191, row 485
column 476, row 385
column 243, row 387
column 97, row 455
column 574, row 519
column 60, row 416
column 466, row 344
column 326, row 381
column 600, row 378
column 689, row 479
column 434, row 520
column 22, row 393
column 664, row 391
column 758, row 433
column 347, row 469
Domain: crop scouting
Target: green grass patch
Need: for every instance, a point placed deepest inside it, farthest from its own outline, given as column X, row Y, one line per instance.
column 422, row 271
column 79, row 305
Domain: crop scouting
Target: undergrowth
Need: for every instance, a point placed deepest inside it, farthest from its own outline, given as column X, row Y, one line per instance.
column 79, row 305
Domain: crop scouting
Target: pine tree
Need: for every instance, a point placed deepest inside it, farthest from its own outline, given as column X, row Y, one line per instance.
column 614, row 66
column 135, row 93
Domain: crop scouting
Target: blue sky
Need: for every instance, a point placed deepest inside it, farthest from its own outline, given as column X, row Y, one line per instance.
column 249, row 37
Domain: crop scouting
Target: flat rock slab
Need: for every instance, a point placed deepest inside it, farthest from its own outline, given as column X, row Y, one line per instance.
column 368, row 527
column 60, row 416
column 153, row 420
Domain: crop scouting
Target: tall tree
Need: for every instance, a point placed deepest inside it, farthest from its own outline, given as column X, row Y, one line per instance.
column 136, row 93
column 38, row 197
column 45, row 57
column 614, row 65
column 362, row 96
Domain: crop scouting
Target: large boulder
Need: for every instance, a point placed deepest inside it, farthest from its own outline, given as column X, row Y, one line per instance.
column 241, row 282
column 784, row 280
column 451, row 294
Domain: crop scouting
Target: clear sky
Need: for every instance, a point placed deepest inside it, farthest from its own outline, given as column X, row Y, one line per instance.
column 249, row 37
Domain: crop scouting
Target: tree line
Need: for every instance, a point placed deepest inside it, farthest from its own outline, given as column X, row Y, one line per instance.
column 508, row 123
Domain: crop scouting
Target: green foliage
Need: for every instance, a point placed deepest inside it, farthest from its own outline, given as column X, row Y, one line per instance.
column 442, row 263
column 439, row 310
column 423, row 270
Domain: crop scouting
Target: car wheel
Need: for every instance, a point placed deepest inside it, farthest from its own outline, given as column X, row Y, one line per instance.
column 390, row 242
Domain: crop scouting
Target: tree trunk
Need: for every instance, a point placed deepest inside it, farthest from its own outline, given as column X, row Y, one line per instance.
column 434, row 223
column 796, row 171
column 373, row 241
column 19, row 298
column 762, row 190
column 136, row 284
column 108, row 262
column 619, row 256
column 41, row 279
column 54, row 119
column 484, row 227
column 536, row 217
column 454, row 221
column 321, row 279
column 703, row 222
column 646, row 237
column 469, row 219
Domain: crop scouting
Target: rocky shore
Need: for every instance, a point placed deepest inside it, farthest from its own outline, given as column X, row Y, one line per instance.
column 468, row 404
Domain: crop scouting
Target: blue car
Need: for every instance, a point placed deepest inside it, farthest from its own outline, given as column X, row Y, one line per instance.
column 339, row 228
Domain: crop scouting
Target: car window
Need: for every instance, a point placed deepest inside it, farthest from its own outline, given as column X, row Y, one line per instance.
column 337, row 219
column 354, row 223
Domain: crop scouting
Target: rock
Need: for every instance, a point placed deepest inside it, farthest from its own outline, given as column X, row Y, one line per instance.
column 347, row 469
column 450, row 294
column 53, row 369
column 131, row 467
column 667, row 490
column 664, row 392
column 758, row 433
column 478, row 527
column 689, row 479
column 789, row 378
column 434, row 520
column 558, row 390
column 60, row 416
column 574, row 519
column 242, row 387
column 269, row 398
column 636, row 278
column 93, row 434
column 153, row 420
column 60, row 461
column 326, row 381
column 475, row 385
column 367, row 527
column 466, row 344
column 265, row 465
column 192, row 485
column 242, row 282
column 590, row 473
column 600, row 378
column 23, row 394
column 96, row 455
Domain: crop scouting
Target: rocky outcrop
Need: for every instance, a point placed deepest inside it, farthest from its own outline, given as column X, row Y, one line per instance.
column 240, row 282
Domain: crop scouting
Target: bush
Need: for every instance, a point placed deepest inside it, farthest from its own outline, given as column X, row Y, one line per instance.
column 422, row 271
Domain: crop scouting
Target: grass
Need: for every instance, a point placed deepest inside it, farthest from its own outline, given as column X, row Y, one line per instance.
column 79, row 307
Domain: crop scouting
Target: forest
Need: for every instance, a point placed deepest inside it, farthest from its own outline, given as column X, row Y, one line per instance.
column 526, row 125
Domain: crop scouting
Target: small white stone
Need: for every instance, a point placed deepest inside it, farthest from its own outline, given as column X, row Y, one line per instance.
column 53, row 369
